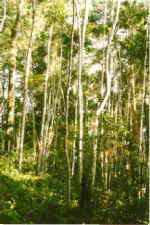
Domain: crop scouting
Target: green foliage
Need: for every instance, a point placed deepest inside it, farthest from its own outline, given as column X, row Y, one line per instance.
column 95, row 15
column 120, row 193
column 39, row 65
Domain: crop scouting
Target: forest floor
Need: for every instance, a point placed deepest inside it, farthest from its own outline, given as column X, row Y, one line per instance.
column 30, row 199
column 27, row 198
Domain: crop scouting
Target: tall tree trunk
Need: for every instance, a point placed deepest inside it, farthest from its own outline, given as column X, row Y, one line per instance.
column 101, row 107
column 34, row 129
column 67, row 114
column 42, row 138
column 11, row 108
column 11, row 85
column 149, row 93
column 75, row 136
column 82, row 30
column 27, row 72
column 4, row 15
column 141, row 144
column 133, row 87
column 2, row 111
column 95, row 133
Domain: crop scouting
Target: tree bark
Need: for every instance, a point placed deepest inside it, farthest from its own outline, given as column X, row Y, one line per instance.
column 27, row 72
column 141, row 144
column 11, row 84
column 101, row 107
column 75, row 136
column 4, row 16
column 67, row 113
column 80, row 62
column 42, row 138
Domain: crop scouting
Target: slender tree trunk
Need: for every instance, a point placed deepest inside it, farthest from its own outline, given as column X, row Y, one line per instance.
column 95, row 124
column 75, row 136
column 95, row 133
column 133, row 87
column 2, row 111
column 4, row 15
column 42, row 138
column 80, row 93
column 11, row 109
column 141, row 145
column 149, row 122
column 112, row 11
column 34, row 132
column 27, row 72
column 67, row 114
column 50, row 117
column 109, row 80
column 11, row 85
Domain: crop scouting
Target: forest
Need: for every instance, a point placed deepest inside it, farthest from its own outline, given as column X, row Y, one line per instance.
column 74, row 111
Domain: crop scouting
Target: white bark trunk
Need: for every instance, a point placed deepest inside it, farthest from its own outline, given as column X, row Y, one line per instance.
column 4, row 16
column 81, row 57
column 109, row 76
column 43, row 138
column 28, row 65
column 75, row 136
column 141, row 146
column 109, row 80
column 67, row 113
column 95, row 133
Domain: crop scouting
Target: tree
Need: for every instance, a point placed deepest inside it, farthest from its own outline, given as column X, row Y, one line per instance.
column 27, row 72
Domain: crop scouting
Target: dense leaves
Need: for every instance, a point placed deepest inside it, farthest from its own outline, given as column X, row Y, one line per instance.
column 41, row 102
